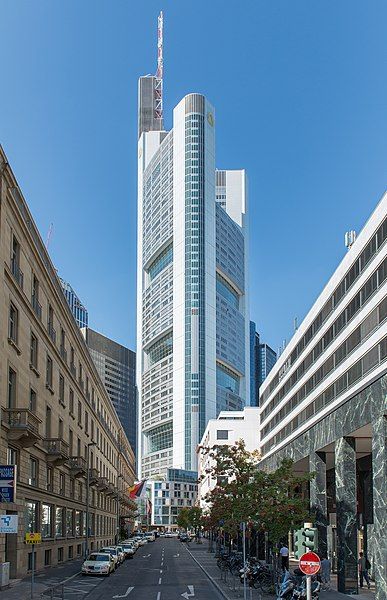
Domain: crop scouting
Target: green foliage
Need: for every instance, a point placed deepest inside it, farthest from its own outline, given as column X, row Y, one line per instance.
column 270, row 502
column 190, row 517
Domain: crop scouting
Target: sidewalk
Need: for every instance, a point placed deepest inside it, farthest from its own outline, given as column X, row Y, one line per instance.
column 20, row 589
column 232, row 589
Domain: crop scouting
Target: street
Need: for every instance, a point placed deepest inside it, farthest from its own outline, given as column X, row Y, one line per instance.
column 162, row 570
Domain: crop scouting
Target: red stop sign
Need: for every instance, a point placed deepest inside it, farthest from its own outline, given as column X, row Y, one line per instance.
column 310, row 563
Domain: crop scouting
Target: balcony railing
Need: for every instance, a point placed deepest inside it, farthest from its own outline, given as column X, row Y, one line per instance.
column 57, row 450
column 51, row 332
column 93, row 476
column 37, row 307
column 17, row 272
column 23, row 426
column 103, row 483
column 63, row 353
column 77, row 466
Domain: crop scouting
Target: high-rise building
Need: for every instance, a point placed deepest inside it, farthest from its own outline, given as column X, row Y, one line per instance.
column 77, row 308
column 262, row 360
column 116, row 366
column 192, row 318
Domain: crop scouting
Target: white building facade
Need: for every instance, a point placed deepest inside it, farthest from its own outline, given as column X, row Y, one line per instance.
column 192, row 317
column 324, row 405
column 226, row 430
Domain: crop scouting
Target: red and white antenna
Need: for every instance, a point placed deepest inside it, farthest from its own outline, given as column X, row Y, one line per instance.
column 160, row 69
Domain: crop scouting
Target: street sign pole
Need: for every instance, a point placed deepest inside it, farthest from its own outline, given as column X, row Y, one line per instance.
column 32, row 570
column 308, row 587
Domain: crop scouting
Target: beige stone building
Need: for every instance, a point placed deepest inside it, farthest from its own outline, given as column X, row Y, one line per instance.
column 58, row 424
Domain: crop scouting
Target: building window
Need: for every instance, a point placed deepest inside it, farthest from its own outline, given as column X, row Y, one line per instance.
column 70, row 552
column 61, row 390
column 227, row 291
column 11, row 388
column 34, row 351
column 49, row 372
column 49, row 479
column 60, row 555
column 69, row 522
column 46, row 520
column 160, row 349
column 222, row 434
column 31, row 516
column 13, row 458
column 163, row 259
column 78, row 523
column 33, row 478
column 62, row 484
column 60, row 429
column 13, row 322
column 80, row 491
column 227, row 379
column 59, row 521
column 47, row 558
column 71, row 402
column 32, row 400
column 72, row 488
column 79, row 413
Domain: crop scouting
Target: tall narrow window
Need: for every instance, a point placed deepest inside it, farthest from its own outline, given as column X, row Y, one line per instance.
column 61, row 389
column 49, row 479
column 32, row 400
column 15, row 262
column 49, row 372
column 35, row 297
column 33, row 478
column 11, row 388
column 60, row 428
column 48, row 422
column 71, row 442
column 50, row 323
column 71, row 402
column 34, row 351
column 13, row 322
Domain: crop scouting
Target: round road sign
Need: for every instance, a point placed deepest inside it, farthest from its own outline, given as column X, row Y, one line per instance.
column 310, row 563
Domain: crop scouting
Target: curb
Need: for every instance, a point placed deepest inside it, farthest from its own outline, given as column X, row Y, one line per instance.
column 214, row 583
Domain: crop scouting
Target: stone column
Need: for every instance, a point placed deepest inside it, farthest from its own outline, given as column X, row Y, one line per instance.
column 318, row 498
column 345, row 469
column 379, row 480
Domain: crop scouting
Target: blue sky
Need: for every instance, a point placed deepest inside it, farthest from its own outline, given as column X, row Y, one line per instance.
column 300, row 91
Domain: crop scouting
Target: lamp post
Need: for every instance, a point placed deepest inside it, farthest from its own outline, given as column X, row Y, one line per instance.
column 89, row 445
column 118, row 508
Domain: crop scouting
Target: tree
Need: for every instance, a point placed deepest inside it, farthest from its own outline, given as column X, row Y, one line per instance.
column 190, row 517
column 269, row 502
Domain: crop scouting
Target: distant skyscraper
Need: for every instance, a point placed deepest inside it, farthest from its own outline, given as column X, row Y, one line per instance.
column 262, row 360
column 192, row 313
column 116, row 366
column 77, row 308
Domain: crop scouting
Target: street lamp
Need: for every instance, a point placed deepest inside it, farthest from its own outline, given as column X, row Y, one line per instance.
column 118, row 508
column 89, row 445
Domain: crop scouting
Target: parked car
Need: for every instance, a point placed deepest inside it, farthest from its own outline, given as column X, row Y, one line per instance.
column 184, row 537
column 98, row 563
column 121, row 552
column 149, row 536
column 114, row 553
column 129, row 550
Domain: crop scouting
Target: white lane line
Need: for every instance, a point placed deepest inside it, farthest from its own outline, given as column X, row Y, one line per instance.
column 160, row 581
column 126, row 593
column 161, row 571
column 158, row 596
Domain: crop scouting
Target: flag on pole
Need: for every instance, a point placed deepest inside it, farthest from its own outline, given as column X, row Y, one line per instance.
column 148, row 506
column 135, row 490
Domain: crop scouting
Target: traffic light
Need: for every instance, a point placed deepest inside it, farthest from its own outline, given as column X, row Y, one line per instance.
column 299, row 548
column 311, row 539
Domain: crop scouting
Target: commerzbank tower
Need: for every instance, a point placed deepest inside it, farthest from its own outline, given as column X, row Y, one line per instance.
column 192, row 295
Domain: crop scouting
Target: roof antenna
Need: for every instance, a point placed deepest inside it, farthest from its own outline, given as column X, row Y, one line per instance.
column 160, row 69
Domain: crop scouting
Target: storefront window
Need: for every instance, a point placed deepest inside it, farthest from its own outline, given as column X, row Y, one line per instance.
column 59, row 518
column 31, row 516
column 69, row 522
column 46, row 520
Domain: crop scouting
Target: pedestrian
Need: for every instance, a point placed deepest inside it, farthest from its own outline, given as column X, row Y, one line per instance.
column 284, row 554
column 326, row 573
column 364, row 565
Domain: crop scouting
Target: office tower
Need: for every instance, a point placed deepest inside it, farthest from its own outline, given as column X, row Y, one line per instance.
column 262, row 360
column 77, row 308
column 116, row 366
column 324, row 405
column 192, row 315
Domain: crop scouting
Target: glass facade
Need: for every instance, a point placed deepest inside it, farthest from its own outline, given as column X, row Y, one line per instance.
column 159, row 438
column 160, row 349
column 227, row 379
column 162, row 261
column 79, row 311
column 227, row 291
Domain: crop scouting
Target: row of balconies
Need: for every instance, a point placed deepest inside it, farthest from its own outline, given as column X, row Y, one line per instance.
column 23, row 430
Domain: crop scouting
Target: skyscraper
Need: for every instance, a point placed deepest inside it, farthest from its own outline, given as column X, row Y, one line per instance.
column 192, row 316
column 262, row 360
column 116, row 365
column 77, row 308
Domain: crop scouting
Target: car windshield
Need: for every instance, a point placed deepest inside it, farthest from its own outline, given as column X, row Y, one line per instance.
column 97, row 557
column 109, row 550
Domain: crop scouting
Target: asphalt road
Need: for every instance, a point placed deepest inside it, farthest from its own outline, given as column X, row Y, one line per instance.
column 161, row 570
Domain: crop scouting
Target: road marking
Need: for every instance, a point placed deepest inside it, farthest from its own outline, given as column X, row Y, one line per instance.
column 190, row 592
column 126, row 593
column 176, row 555
column 158, row 596
column 160, row 581
column 146, row 555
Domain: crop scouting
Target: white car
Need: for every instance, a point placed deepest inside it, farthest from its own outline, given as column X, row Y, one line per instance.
column 121, row 552
column 150, row 536
column 98, row 563
column 113, row 553
column 129, row 550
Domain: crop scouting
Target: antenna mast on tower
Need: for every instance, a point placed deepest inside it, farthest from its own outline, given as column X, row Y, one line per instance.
column 160, row 67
